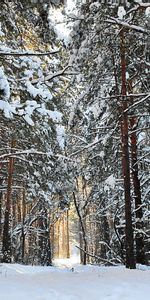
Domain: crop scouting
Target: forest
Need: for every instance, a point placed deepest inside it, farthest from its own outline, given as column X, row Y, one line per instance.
column 75, row 132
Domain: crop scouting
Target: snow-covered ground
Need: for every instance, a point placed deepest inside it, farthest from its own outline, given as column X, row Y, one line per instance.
column 19, row 282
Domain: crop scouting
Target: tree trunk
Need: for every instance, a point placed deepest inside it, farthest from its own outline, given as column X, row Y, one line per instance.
column 140, row 255
column 23, row 220
column 67, row 234
column 6, row 248
column 84, row 255
column 63, row 237
column 139, row 238
column 58, row 239
column 1, row 194
column 44, row 244
column 130, row 260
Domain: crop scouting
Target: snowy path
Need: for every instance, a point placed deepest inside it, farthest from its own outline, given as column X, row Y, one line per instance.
column 19, row 282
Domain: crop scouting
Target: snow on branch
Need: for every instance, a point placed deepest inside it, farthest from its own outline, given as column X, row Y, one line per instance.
column 139, row 5
column 112, row 20
column 52, row 75
column 138, row 102
column 29, row 53
column 27, row 152
column 75, row 106
column 127, row 96
column 142, row 4
column 141, row 158
column 86, row 147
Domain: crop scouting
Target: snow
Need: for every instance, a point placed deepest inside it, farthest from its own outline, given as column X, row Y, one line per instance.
column 38, row 91
column 80, row 282
column 59, row 22
column 127, row 75
column 95, row 5
column 28, row 120
column 55, row 115
column 60, row 135
column 147, row 12
column 121, row 12
column 110, row 182
column 4, row 85
column 7, row 108
column 102, row 154
column 127, row 25
column 1, row 32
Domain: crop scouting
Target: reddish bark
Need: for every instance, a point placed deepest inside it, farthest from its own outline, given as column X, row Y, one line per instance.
column 140, row 255
column 130, row 260
column 6, row 248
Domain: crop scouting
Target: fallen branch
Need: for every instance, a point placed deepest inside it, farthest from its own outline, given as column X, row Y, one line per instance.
column 97, row 257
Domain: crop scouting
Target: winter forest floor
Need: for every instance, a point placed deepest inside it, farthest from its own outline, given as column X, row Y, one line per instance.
column 18, row 282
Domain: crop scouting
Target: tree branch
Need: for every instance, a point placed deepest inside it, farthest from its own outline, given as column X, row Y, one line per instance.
column 112, row 20
column 27, row 152
column 97, row 257
column 29, row 53
column 52, row 76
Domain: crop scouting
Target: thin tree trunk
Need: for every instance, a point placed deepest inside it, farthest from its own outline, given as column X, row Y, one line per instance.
column 53, row 239
column 19, row 210
column 41, row 237
column 23, row 219
column 58, row 238
column 140, row 255
column 67, row 234
column 83, row 230
column 1, row 194
column 139, row 237
column 130, row 260
column 47, row 244
column 6, row 248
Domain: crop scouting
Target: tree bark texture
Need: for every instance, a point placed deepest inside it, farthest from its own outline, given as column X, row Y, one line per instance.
column 84, row 255
column 139, row 238
column 6, row 247
column 130, row 260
